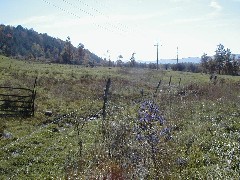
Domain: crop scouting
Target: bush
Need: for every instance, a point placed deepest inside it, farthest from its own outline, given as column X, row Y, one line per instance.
column 190, row 67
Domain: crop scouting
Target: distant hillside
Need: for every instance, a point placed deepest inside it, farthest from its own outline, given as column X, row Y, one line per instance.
column 190, row 59
column 174, row 61
column 28, row 44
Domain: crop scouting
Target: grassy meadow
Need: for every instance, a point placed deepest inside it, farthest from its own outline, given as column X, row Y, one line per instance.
column 159, row 124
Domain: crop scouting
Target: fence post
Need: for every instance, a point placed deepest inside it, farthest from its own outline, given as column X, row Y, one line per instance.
column 179, row 82
column 105, row 100
column 158, row 86
column 142, row 93
column 105, row 97
column 34, row 96
column 170, row 81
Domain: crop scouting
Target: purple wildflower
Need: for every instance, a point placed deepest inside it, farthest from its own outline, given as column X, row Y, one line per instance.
column 166, row 132
column 148, row 115
column 149, row 112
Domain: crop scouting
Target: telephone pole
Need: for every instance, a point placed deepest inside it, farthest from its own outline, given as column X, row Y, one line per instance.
column 109, row 60
column 157, row 54
column 177, row 54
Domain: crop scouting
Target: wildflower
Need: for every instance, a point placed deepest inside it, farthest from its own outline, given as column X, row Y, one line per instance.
column 148, row 115
column 153, row 138
column 149, row 112
column 166, row 132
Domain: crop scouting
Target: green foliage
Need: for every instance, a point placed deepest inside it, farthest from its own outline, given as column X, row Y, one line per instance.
column 27, row 44
column 222, row 63
column 190, row 67
column 203, row 119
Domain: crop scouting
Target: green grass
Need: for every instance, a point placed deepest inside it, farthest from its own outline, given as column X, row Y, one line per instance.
column 204, row 118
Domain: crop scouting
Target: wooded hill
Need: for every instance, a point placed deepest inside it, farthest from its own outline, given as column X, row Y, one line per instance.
column 22, row 43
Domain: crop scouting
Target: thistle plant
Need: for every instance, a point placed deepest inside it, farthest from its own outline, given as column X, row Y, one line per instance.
column 149, row 128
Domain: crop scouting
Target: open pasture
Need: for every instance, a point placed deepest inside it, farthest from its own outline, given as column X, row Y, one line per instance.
column 158, row 124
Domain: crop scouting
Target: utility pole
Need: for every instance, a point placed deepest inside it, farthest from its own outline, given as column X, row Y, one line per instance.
column 157, row 54
column 177, row 54
column 109, row 60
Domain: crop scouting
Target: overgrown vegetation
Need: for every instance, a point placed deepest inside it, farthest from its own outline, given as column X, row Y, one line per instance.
column 223, row 62
column 158, row 125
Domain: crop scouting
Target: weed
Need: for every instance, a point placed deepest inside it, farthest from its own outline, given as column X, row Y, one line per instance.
column 197, row 139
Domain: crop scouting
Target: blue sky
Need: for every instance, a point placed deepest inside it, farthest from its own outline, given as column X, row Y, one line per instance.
column 114, row 27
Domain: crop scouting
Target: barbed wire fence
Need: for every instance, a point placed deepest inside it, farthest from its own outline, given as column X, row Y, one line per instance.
column 79, row 121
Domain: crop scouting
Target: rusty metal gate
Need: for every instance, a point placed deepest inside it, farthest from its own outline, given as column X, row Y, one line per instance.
column 17, row 101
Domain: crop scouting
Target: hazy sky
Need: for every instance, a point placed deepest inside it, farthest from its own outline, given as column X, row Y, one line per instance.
column 114, row 27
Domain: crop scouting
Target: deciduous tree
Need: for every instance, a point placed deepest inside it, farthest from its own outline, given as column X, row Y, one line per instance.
column 67, row 54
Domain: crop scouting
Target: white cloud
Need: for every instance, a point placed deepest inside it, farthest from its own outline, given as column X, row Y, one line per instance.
column 215, row 5
column 216, row 8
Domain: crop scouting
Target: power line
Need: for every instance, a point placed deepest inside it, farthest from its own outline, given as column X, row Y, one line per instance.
column 87, row 5
column 78, row 8
column 121, row 30
column 125, row 26
column 75, row 15
column 64, row 10
column 99, row 12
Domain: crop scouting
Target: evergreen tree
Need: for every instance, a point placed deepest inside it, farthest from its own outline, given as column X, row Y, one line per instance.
column 222, row 57
column 224, row 62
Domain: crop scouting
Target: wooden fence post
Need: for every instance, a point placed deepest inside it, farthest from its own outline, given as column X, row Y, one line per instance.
column 105, row 97
column 170, row 81
column 158, row 86
column 105, row 100
column 179, row 82
column 141, row 93
column 34, row 96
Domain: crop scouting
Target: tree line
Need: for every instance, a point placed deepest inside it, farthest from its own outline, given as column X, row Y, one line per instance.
column 22, row 43
column 223, row 62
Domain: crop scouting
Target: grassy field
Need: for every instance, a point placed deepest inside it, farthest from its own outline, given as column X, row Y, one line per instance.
column 185, row 128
